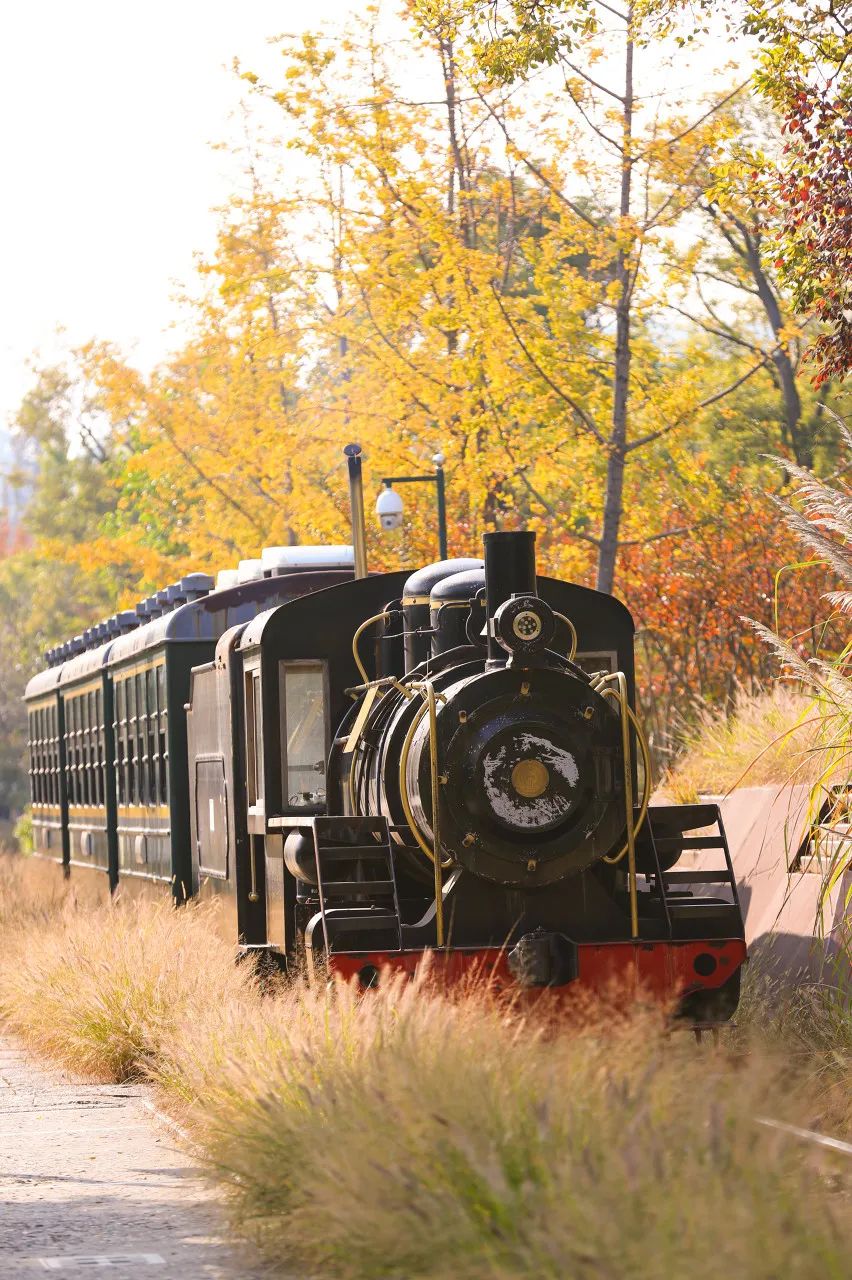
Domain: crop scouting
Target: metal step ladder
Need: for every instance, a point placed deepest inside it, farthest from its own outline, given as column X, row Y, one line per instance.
column 667, row 826
column 355, row 867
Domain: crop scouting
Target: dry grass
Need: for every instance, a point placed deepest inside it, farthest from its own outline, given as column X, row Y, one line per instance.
column 97, row 988
column 403, row 1134
column 32, row 890
column 771, row 737
column 809, row 1026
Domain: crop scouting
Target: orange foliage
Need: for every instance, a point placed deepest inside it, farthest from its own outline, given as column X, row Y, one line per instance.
column 694, row 596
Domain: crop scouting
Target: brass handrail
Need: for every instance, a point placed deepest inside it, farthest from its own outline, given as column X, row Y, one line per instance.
column 572, row 653
column 359, row 631
column 628, row 718
column 432, row 852
column 436, row 837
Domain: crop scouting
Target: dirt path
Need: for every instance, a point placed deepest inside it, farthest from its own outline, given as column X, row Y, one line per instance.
column 90, row 1182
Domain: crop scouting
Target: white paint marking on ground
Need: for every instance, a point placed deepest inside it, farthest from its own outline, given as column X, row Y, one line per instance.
column 808, row 1135
column 169, row 1123
column 92, row 1261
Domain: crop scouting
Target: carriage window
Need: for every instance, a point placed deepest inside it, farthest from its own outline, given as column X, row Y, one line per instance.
column 130, row 701
column 304, row 733
column 46, row 749
column 37, row 754
column 82, row 750
column 152, row 740
column 121, row 741
column 71, row 745
column 163, row 753
column 56, row 765
column 36, row 788
column 89, row 765
column 49, row 756
column 77, row 749
column 43, row 735
column 99, row 749
column 141, row 740
column 254, row 740
column 31, row 744
column 77, row 704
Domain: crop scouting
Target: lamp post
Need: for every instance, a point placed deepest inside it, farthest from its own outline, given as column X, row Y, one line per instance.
column 389, row 505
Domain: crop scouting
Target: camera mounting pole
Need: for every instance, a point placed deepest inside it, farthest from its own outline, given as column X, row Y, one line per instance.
column 389, row 505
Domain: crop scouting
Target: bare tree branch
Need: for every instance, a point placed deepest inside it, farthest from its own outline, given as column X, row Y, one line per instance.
column 587, row 422
column 702, row 404
column 670, row 533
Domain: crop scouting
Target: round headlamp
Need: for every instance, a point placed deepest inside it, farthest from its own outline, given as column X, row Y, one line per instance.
column 524, row 625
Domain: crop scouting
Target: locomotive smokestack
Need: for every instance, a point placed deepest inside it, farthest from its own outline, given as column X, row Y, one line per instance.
column 509, row 571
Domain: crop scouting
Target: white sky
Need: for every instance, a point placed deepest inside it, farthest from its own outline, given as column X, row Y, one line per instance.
column 107, row 110
column 109, row 180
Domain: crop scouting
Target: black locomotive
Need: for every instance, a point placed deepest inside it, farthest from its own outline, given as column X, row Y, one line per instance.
column 370, row 769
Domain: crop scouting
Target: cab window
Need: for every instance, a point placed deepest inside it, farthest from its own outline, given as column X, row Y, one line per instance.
column 304, row 736
column 254, row 740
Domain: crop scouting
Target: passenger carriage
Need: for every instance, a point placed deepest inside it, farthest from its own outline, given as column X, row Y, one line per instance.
column 107, row 721
column 46, row 746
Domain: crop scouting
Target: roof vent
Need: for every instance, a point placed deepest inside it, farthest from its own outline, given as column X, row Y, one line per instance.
column 276, row 560
column 249, row 570
column 127, row 620
column 226, row 578
column 194, row 585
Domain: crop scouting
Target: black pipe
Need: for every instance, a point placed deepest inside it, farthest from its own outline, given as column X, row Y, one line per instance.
column 509, row 571
column 356, row 505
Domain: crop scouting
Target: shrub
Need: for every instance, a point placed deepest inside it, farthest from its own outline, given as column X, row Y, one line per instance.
column 23, row 832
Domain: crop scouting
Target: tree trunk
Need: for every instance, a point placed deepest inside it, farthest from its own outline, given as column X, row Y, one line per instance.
column 614, row 494
column 799, row 433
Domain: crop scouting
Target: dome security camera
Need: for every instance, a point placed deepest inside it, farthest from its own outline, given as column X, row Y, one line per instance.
column 389, row 509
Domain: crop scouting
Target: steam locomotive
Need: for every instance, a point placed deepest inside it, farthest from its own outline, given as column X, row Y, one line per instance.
column 366, row 770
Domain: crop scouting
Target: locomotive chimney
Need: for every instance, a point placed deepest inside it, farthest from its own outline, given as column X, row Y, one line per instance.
column 509, row 571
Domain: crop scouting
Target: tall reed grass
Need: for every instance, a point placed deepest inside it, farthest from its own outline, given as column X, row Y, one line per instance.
column 820, row 514
column 773, row 737
column 403, row 1134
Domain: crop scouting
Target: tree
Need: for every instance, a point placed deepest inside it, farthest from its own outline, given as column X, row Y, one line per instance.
column 805, row 72
column 489, row 270
column 690, row 599
column 643, row 179
column 215, row 436
column 48, row 591
column 735, row 294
